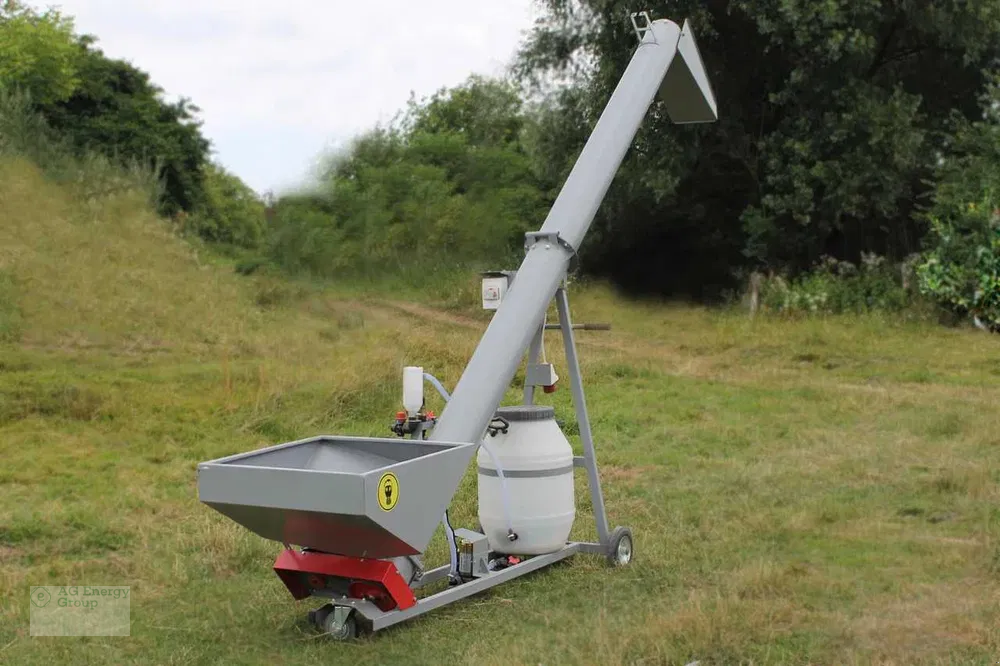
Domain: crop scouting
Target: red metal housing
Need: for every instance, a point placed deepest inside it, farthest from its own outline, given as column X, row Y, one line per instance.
column 378, row 580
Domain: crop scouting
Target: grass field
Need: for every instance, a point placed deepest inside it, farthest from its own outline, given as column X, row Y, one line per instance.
column 819, row 491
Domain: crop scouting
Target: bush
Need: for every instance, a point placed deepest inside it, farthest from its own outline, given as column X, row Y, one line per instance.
column 840, row 287
column 232, row 213
column 960, row 269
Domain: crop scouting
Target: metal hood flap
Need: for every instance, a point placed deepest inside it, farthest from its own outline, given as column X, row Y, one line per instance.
column 686, row 90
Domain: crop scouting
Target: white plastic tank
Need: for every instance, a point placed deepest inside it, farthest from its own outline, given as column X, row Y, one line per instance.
column 537, row 461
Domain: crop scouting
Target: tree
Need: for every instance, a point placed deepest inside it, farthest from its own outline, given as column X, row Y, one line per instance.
column 118, row 111
column 62, row 94
column 38, row 52
column 449, row 183
column 486, row 112
column 831, row 117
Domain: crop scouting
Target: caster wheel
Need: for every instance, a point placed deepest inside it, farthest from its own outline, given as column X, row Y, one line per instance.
column 337, row 622
column 318, row 616
column 341, row 628
column 620, row 548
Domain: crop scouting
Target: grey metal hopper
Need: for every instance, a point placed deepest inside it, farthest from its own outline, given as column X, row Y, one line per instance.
column 357, row 496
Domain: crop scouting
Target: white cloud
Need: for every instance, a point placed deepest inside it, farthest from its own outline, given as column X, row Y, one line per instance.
column 278, row 81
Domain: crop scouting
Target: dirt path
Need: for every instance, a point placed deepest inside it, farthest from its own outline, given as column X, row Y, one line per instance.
column 427, row 312
column 433, row 314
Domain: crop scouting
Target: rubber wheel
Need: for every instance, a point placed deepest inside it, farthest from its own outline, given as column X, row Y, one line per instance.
column 318, row 617
column 337, row 631
column 620, row 547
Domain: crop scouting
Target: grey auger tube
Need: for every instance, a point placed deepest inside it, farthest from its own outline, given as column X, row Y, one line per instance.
column 494, row 362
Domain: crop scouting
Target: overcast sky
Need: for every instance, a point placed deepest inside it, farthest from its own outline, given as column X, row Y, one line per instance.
column 279, row 81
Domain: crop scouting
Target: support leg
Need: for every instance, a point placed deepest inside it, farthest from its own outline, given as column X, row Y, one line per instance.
column 534, row 351
column 580, row 403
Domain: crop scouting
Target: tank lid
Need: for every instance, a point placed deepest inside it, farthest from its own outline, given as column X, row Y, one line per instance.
column 527, row 412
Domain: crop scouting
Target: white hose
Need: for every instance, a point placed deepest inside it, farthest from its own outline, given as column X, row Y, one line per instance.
column 436, row 384
column 503, row 485
column 453, row 549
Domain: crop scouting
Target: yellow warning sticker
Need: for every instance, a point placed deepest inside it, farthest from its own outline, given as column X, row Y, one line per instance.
column 388, row 491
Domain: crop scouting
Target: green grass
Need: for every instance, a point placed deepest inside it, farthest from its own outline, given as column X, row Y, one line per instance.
column 10, row 314
column 819, row 491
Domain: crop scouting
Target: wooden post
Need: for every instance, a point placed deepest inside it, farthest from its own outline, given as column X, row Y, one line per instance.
column 756, row 280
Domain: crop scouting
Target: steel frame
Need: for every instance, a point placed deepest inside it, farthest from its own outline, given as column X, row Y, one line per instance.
column 375, row 619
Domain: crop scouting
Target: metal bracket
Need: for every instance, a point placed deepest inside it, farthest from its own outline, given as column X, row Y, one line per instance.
column 533, row 237
column 640, row 30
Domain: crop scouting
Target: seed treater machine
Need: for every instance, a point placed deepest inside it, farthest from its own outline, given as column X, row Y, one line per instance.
column 362, row 510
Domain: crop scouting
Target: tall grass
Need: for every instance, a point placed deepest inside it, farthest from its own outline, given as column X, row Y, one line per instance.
column 90, row 176
column 10, row 312
column 84, row 259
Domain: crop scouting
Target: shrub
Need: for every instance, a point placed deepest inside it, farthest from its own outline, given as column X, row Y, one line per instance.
column 840, row 287
column 960, row 268
column 232, row 212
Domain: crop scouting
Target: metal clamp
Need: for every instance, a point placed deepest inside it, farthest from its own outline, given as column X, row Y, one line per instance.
column 640, row 30
column 533, row 237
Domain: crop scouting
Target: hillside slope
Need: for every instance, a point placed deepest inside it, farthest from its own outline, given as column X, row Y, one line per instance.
column 815, row 491
column 108, row 274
